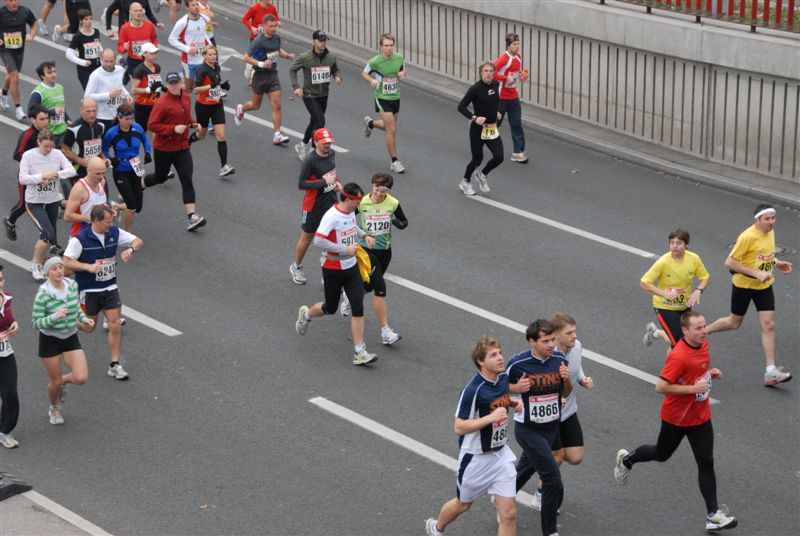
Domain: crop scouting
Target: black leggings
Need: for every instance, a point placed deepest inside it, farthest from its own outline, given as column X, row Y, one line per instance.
column 83, row 74
column 184, row 166
column 349, row 280
column 18, row 209
column 129, row 186
column 476, row 146
column 316, row 107
column 701, row 439
column 141, row 114
column 45, row 216
column 8, row 394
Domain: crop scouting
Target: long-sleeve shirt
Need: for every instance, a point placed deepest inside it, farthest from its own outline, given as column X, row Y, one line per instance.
column 126, row 145
column 101, row 84
column 188, row 33
column 6, row 319
column 124, row 7
column 135, row 38
column 168, row 111
column 255, row 15
column 25, row 142
column 318, row 71
column 484, row 98
column 33, row 164
column 48, row 301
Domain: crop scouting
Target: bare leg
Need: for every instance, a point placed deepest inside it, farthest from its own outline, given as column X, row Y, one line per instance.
column 114, row 332
column 277, row 115
column 450, row 512
column 302, row 246
column 379, row 304
column 767, row 320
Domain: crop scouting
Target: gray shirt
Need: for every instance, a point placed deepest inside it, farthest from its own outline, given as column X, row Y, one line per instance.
column 576, row 374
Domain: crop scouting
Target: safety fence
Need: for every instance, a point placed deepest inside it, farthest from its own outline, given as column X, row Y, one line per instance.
column 743, row 119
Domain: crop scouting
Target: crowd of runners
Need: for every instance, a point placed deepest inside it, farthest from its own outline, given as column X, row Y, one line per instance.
column 137, row 125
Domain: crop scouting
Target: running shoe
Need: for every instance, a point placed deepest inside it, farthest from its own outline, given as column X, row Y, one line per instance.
column 344, row 307
column 481, row 180
column 302, row 324
column 195, row 221
column 8, row 441
column 397, row 167
column 116, row 371
column 226, row 170
column 279, row 138
column 466, row 187
column 364, row 358
column 56, row 417
column 170, row 175
column 302, row 150
column 621, row 471
column 367, row 129
column 776, row 376
column 238, row 117
column 5, row 104
column 42, row 27
column 11, row 229
column 298, row 277
column 519, row 158
column 56, row 250
column 389, row 336
column 56, row 35
column 536, row 503
column 37, row 273
column 20, row 114
column 649, row 334
column 720, row 520
column 122, row 322
column 430, row 527
column 66, row 36
column 62, row 393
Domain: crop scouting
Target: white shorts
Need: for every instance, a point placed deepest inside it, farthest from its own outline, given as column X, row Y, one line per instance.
column 493, row 473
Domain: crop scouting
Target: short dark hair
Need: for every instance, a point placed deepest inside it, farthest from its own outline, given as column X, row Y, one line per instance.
column 351, row 189
column 561, row 320
column 37, row 109
column 686, row 318
column 269, row 17
column 481, row 349
column 98, row 212
column 383, row 179
column 511, row 37
column 680, row 234
column 539, row 327
column 762, row 206
column 49, row 64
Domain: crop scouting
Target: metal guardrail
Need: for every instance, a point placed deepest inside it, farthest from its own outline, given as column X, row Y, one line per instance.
column 743, row 119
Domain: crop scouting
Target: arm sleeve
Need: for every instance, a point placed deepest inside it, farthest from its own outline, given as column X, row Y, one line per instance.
column 74, row 248
column 73, row 57
column 293, row 68
column 303, row 183
column 465, row 101
column 248, row 18
column 67, row 169
column 35, row 98
column 653, row 274
column 106, row 147
column 26, row 175
column 125, row 239
column 175, row 33
column 321, row 242
column 155, row 124
column 22, row 141
column 122, row 38
column 335, row 69
column 498, row 64
column 38, row 317
column 464, row 405
column 701, row 272
column 91, row 89
column 399, row 219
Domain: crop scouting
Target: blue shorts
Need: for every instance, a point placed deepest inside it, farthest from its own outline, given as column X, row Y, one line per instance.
column 190, row 70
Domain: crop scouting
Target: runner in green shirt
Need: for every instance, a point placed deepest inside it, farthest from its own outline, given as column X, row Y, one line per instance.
column 50, row 94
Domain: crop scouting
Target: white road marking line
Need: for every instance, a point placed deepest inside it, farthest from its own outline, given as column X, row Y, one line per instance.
column 264, row 122
column 13, row 123
column 128, row 312
column 399, row 439
column 67, row 515
column 565, row 227
column 516, row 326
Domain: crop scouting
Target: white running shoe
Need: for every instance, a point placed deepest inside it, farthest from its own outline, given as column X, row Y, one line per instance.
column 302, row 150
column 649, row 334
column 194, row 222
column 20, row 114
column 344, row 307
column 38, row 274
column 56, row 35
column 621, row 472
column 397, row 167
column 430, row 527
column 519, row 158
column 5, row 104
column 536, row 503
column 367, row 130
column 226, row 170
column 279, row 138
column 720, row 520
column 8, row 441
column 117, row 372
column 56, row 417
column 466, row 187
column 42, row 27
column 776, row 376
column 364, row 358
column 301, row 325
column 389, row 336
column 122, row 322
column 298, row 277
column 481, row 180
column 238, row 117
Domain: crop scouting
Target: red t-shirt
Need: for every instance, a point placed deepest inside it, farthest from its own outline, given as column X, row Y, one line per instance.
column 255, row 15
column 136, row 37
column 684, row 366
column 508, row 70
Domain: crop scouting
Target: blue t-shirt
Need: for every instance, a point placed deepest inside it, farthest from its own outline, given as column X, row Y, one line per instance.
column 479, row 398
column 542, row 404
column 264, row 48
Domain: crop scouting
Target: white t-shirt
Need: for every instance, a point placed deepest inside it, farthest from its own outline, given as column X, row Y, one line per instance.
column 101, row 83
column 343, row 231
column 33, row 164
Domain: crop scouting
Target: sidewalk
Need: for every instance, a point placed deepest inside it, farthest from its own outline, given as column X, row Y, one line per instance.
column 32, row 514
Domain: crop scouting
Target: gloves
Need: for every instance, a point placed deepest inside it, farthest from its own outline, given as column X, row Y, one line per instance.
column 225, row 85
column 115, row 162
column 156, row 85
column 147, row 158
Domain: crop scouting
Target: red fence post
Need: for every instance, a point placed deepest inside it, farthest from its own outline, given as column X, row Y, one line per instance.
column 766, row 13
column 741, row 10
column 754, row 14
column 719, row 8
column 778, row 14
column 790, row 16
column 731, row 9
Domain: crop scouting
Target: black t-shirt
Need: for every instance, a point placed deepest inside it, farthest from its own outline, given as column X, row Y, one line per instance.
column 84, row 140
column 14, row 28
column 88, row 47
column 485, row 99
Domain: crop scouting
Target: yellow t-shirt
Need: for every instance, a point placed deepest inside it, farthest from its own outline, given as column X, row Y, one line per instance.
column 668, row 272
column 755, row 250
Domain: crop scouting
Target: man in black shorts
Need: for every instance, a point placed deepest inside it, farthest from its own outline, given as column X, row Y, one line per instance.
column 92, row 255
column 319, row 180
column 14, row 20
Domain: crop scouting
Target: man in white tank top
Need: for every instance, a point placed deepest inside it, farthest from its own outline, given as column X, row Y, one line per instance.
column 87, row 192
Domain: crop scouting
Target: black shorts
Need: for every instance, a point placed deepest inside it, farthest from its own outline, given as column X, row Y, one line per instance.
column 50, row 346
column 376, row 283
column 334, row 281
column 387, row 106
column 670, row 322
column 384, row 257
column 569, row 434
column 740, row 299
column 265, row 82
column 94, row 302
column 12, row 61
column 311, row 220
column 206, row 112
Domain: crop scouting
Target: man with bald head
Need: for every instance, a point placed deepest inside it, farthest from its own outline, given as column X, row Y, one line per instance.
column 83, row 140
column 105, row 86
column 88, row 191
column 132, row 36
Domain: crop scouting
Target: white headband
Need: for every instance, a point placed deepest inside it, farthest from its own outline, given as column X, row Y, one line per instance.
column 760, row 213
column 52, row 261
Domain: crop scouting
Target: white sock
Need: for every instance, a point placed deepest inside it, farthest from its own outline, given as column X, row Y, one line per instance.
column 770, row 368
column 307, row 317
column 360, row 348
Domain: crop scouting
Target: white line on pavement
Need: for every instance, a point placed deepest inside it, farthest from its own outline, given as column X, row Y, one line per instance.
column 11, row 122
column 128, row 312
column 516, row 326
column 565, row 227
column 65, row 514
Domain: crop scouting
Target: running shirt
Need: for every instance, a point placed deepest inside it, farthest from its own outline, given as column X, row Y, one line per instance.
column 144, row 77
column 85, row 141
column 255, row 16
column 574, row 358
column 6, row 319
column 51, row 97
column 26, row 142
column 376, row 219
column 480, row 398
column 485, row 101
column 685, row 365
column 34, row 163
column 101, row 83
column 542, row 404
column 508, row 70
column 96, row 197
column 670, row 273
column 136, row 38
column 209, row 76
column 14, row 28
column 189, row 33
column 341, row 229
column 320, row 196
column 87, row 47
column 755, row 250
column 386, row 71
column 264, row 48
column 89, row 247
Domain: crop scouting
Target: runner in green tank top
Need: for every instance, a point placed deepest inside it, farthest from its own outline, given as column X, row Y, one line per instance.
column 50, row 94
column 383, row 72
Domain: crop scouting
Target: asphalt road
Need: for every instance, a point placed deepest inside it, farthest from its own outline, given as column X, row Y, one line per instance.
column 215, row 434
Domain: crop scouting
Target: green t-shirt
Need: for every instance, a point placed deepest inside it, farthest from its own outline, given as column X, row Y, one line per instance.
column 376, row 219
column 385, row 72
column 52, row 97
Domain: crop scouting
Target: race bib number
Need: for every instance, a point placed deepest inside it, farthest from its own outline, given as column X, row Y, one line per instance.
column 57, row 119
column 330, row 176
column 489, row 132
column 389, row 86
column 5, row 345
column 701, row 397
column 92, row 50
column 92, row 147
column 136, row 47
column 215, row 93
column 544, row 408
column 107, row 271
column 114, row 102
column 46, row 187
column 137, row 165
column 12, row 39
column 765, row 263
column 378, row 224
column 273, row 56
column 499, row 434
column 320, row 75
column 511, row 80
column 349, row 237
column 680, row 298
column 201, row 47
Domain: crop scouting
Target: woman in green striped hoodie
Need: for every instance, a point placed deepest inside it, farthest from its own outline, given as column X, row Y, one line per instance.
column 57, row 315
